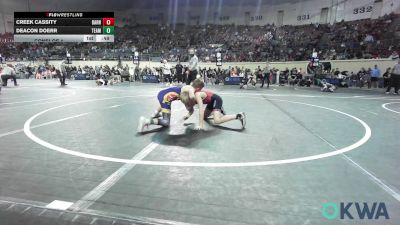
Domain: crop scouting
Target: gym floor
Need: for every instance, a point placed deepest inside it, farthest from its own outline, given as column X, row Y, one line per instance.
column 72, row 156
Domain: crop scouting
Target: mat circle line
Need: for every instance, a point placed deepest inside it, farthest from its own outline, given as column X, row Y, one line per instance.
column 363, row 140
column 389, row 103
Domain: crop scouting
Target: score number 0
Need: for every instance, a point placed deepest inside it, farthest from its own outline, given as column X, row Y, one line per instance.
column 108, row 21
column 108, row 25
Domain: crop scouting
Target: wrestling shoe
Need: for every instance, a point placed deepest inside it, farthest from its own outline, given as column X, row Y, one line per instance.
column 242, row 118
column 142, row 124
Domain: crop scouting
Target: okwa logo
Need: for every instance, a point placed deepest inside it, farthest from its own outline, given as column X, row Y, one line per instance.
column 351, row 210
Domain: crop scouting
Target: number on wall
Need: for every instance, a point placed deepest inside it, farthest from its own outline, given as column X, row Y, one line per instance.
column 303, row 17
column 362, row 9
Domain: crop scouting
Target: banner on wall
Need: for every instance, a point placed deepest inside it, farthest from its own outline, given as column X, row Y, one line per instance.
column 149, row 79
column 232, row 80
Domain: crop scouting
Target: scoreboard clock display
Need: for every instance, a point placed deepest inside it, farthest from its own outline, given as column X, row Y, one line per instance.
column 64, row 26
column 219, row 59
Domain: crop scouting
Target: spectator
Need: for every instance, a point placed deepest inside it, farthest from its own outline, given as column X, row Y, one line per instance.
column 346, row 40
column 386, row 78
column 375, row 74
column 264, row 76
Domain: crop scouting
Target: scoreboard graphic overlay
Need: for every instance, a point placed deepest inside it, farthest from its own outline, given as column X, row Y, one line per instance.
column 63, row 26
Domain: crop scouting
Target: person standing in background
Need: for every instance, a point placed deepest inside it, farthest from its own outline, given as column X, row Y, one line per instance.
column 375, row 74
column 185, row 74
column 166, row 70
column 193, row 66
column 8, row 72
column 361, row 77
column 278, row 73
column 62, row 73
column 136, row 73
column 97, row 71
column 386, row 78
column 394, row 79
column 264, row 76
column 368, row 78
column 178, row 70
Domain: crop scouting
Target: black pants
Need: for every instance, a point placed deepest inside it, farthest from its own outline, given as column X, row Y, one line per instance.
column 179, row 77
column 191, row 77
column 137, row 78
column 265, row 78
column 394, row 82
column 62, row 78
column 362, row 82
column 386, row 82
column 167, row 78
column 374, row 82
column 5, row 78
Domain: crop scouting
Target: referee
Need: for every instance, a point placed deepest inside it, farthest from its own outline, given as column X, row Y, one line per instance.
column 394, row 79
column 193, row 64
